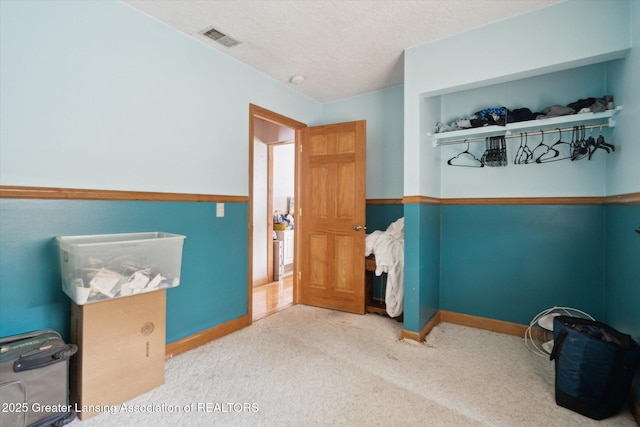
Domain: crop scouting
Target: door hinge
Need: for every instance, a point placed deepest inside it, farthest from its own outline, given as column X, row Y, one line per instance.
column 299, row 275
column 300, row 145
column 299, row 212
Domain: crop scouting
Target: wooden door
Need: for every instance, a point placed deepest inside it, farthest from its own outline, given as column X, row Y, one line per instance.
column 332, row 217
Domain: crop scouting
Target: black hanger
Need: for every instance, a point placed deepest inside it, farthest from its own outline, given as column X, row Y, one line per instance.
column 496, row 152
column 547, row 149
column 557, row 144
column 503, row 152
column 600, row 143
column 578, row 144
column 473, row 161
column 524, row 153
column 591, row 144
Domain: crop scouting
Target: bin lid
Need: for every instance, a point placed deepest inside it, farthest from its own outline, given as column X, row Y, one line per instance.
column 117, row 238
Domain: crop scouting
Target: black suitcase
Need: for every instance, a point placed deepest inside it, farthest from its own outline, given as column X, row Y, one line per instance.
column 34, row 381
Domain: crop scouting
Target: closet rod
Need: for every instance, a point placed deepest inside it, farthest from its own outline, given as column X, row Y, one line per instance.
column 517, row 135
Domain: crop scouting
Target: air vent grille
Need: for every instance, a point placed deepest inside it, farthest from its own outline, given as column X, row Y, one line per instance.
column 220, row 37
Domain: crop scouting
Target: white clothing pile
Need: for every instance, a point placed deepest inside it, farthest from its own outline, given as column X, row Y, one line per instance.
column 388, row 248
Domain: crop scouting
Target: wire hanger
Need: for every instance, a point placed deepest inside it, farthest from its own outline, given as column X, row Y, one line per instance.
column 466, row 159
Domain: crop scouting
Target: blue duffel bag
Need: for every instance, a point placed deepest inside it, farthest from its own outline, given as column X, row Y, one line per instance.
column 594, row 364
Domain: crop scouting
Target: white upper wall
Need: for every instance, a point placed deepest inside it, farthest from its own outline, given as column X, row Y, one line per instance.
column 284, row 161
column 518, row 48
column 98, row 95
column 261, row 238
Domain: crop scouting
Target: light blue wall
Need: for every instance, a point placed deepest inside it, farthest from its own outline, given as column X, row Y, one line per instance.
column 383, row 112
column 524, row 46
column 623, row 173
column 97, row 95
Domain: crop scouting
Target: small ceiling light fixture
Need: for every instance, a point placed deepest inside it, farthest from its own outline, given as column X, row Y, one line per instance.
column 297, row 79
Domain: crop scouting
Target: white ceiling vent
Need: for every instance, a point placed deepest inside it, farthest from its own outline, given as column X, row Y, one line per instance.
column 220, row 37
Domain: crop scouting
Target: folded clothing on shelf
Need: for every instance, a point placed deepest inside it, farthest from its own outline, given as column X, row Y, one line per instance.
column 501, row 116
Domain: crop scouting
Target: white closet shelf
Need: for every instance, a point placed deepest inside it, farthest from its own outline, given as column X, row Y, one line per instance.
column 605, row 118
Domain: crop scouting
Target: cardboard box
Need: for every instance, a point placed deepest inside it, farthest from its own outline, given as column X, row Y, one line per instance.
column 121, row 351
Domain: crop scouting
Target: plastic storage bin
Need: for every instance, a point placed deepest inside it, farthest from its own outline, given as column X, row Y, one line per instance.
column 101, row 267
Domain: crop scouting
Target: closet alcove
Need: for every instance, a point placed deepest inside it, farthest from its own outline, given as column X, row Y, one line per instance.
column 535, row 93
column 568, row 179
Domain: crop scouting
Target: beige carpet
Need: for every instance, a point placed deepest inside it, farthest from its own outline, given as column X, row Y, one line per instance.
column 315, row 367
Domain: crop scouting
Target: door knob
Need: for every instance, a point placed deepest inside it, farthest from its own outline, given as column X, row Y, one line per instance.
column 357, row 227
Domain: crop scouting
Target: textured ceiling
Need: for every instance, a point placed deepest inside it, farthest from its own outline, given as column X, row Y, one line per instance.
column 342, row 48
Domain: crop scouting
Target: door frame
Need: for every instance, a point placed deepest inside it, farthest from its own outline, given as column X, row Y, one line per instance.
column 257, row 112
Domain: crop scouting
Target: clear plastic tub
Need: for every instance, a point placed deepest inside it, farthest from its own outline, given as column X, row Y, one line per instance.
column 107, row 266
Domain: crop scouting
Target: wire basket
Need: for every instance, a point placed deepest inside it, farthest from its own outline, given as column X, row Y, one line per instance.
column 539, row 335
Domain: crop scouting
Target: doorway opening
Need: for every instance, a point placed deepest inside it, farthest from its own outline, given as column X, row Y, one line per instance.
column 273, row 186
